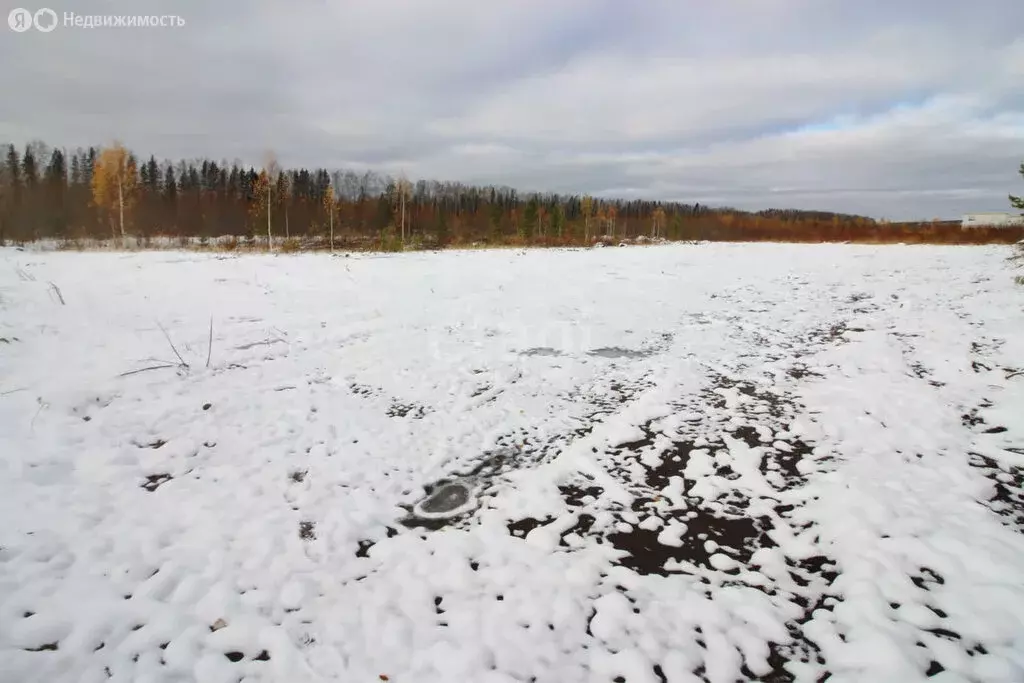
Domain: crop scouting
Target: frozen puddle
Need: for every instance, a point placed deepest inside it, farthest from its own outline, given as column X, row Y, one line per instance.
column 542, row 351
column 617, row 352
column 448, row 500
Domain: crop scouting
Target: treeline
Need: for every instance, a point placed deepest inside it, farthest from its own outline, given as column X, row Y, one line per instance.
column 50, row 193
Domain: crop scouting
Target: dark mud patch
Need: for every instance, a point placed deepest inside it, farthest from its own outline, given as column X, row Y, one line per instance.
column 154, row 481
column 363, row 390
column 307, row 530
column 927, row 578
column 576, row 496
column 831, row 334
column 47, row 647
column 396, row 407
column 800, row 371
column 1007, row 498
column 760, row 404
column 363, row 547
column 724, row 525
column 735, row 537
column 785, row 460
column 673, row 462
column 520, row 528
column 480, row 390
column 414, row 411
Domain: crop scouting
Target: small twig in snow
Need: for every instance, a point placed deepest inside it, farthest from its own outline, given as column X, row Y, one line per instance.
column 209, row 346
column 155, row 360
column 60, row 296
column 265, row 342
column 32, row 425
column 154, row 367
column 12, row 391
column 173, row 347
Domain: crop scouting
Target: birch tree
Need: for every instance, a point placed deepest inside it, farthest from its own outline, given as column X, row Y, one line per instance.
column 271, row 169
column 658, row 222
column 114, row 181
column 329, row 207
column 403, row 191
column 587, row 206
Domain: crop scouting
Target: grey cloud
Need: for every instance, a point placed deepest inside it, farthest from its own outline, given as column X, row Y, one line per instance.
column 900, row 109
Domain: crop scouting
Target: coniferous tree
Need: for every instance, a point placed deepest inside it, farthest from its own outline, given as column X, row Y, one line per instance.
column 170, row 197
column 32, row 202
column 530, row 217
column 11, row 187
column 56, row 194
column 1018, row 202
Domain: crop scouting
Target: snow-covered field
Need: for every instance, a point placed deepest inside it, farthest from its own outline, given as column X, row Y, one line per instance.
column 685, row 463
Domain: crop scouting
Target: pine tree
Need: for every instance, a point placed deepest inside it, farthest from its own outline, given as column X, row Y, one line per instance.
column 1018, row 202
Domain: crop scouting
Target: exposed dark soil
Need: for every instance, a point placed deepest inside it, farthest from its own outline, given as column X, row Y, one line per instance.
column 154, row 481
column 761, row 416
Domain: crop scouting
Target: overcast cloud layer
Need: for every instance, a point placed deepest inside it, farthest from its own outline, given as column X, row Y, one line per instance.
column 890, row 108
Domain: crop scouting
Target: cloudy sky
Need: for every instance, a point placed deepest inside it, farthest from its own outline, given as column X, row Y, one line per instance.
column 903, row 109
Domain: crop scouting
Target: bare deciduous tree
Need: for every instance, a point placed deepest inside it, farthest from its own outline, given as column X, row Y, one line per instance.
column 272, row 170
column 329, row 207
column 403, row 192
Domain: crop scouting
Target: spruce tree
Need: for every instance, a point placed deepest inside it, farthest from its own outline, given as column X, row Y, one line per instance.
column 56, row 191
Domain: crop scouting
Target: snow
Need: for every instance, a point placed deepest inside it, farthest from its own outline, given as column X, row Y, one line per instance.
column 686, row 462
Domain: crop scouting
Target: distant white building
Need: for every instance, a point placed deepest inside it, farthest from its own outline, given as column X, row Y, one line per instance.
column 991, row 218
